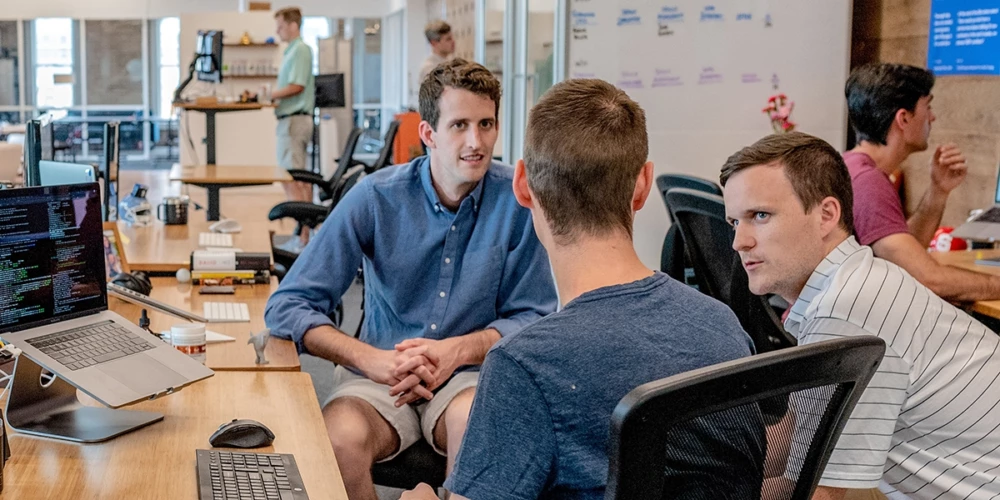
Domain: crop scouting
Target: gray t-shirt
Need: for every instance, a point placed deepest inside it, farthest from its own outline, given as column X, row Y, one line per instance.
column 541, row 419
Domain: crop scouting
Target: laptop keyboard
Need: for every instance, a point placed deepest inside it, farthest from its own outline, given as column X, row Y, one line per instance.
column 90, row 345
column 215, row 240
column 224, row 475
column 223, row 312
column 991, row 215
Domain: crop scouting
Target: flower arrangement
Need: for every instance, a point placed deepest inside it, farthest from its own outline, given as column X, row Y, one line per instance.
column 779, row 110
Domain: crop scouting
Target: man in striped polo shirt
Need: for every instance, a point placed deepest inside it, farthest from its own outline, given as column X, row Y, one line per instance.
column 928, row 425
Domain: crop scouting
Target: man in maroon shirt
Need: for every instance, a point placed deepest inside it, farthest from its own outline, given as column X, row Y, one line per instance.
column 890, row 110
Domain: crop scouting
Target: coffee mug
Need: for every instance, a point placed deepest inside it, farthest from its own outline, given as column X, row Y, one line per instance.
column 173, row 210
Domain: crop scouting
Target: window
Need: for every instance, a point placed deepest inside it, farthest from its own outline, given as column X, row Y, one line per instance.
column 9, row 85
column 313, row 29
column 168, row 50
column 53, row 44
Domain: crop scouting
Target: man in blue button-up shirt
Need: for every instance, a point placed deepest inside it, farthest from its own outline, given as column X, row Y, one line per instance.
column 451, row 264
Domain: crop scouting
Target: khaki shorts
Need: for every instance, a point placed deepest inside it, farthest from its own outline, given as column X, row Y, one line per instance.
column 410, row 421
column 294, row 134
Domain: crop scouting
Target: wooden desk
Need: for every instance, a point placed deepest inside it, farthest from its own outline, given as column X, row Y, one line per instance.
column 159, row 461
column 215, row 177
column 164, row 248
column 210, row 110
column 967, row 260
column 236, row 355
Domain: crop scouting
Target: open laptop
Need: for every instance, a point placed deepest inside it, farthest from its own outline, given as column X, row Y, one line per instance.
column 54, row 302
column 986, row 226
column 53, row 173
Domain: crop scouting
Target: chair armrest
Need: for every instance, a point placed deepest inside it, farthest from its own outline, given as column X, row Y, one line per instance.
column 307, row 176
column 308, row 214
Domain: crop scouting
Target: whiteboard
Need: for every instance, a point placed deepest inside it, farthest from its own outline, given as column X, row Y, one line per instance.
column 703, row 72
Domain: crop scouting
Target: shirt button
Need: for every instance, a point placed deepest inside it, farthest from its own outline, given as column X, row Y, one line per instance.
column 447, row 260
column 452, row 228
column 434, row 326
column 441, row 294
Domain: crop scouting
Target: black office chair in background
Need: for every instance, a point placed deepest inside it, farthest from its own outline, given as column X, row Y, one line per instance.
column 672, row 260
column 385, row 155
column 344, row 163
column 697, row 435
column 708, row 242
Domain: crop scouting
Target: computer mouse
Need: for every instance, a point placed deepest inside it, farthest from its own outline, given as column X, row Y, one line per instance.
column 242, row 434
column 226, row 226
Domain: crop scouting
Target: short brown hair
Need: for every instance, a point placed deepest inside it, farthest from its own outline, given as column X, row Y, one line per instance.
column 436, row 29
column 814, row 168
column 290, row 15
column 584, row 147
column 459, row 74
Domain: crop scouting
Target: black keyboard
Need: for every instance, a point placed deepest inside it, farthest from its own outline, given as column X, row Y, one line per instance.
column 225, row 475
column 991, row 215
column 90, row 345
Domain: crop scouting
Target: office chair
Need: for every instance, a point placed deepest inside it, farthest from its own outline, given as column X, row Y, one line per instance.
column 672, row 261
column 388, row 142
column 699, row 435
column 344, row 163
column 708, row 243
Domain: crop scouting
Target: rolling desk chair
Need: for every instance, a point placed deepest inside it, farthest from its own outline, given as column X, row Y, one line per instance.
column 344, row 163
column 385, row 156
column 708, row 240
column 665, row 434
column 672, row 260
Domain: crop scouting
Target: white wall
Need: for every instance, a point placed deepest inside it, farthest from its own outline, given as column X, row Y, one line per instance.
column 416, row 47
column 241, row 137
column 140, row 9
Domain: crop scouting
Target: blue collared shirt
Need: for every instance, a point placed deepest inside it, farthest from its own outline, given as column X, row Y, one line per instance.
column 429, row 272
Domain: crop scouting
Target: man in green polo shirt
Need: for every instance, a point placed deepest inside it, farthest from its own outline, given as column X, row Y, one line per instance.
column 295, row 95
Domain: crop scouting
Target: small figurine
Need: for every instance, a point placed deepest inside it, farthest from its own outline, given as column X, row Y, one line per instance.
column 259, row 341
column 245, row 39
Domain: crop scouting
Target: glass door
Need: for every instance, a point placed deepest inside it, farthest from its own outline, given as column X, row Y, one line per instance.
column 522, row 42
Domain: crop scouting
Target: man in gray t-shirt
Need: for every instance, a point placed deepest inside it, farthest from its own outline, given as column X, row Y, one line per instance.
column 540, row 422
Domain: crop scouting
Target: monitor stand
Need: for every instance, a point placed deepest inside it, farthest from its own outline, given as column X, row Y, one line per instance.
column 53, row 411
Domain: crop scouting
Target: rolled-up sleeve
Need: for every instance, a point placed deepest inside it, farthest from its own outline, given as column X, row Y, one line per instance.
column 527, row 292
column 310, row 292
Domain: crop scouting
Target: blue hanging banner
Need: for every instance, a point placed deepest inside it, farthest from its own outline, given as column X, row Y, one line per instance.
column 963, row 37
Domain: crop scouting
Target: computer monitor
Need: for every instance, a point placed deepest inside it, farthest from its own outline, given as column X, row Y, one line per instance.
column 208, row 56
column 37, row 147
column 330, row 91
column 112, row 145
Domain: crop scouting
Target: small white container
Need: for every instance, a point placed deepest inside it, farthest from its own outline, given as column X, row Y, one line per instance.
column 189, row 338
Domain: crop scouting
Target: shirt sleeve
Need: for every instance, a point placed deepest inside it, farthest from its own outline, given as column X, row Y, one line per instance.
column 310, row 292
column 878, row 212
column 301, row 67
column 859, row 458
column 527, row 292
column 509, row 448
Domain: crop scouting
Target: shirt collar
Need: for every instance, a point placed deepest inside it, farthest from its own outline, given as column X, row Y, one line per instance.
column 432, row 196
column 818, row 281
column 292, row 43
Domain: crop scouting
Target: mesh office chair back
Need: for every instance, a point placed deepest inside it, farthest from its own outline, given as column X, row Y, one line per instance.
column 702, row 434
column 708, row 240
column 672, row 259
column 388, row 143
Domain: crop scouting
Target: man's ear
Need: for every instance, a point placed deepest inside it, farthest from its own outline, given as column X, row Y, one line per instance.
column 902, row 118
column 521, row 191
column 426, row 133
column 829, row 212
column 643, row 184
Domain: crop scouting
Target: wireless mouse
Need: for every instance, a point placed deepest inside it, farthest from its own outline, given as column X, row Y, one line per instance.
column 242, row 434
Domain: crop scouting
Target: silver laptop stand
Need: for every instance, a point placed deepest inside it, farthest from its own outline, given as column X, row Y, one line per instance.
column 53, row 410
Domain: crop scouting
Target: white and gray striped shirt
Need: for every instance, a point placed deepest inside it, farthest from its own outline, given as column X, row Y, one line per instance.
column 928, row 425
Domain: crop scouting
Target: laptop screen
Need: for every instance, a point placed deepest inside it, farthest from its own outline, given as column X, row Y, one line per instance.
column 51, row 255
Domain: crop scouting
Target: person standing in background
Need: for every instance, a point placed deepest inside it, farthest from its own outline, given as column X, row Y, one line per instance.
column 442, row 47
column 295, row 95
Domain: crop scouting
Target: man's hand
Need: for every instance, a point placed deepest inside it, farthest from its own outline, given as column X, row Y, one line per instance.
column 948, row 168
column 421, row 492
column 414, row 384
